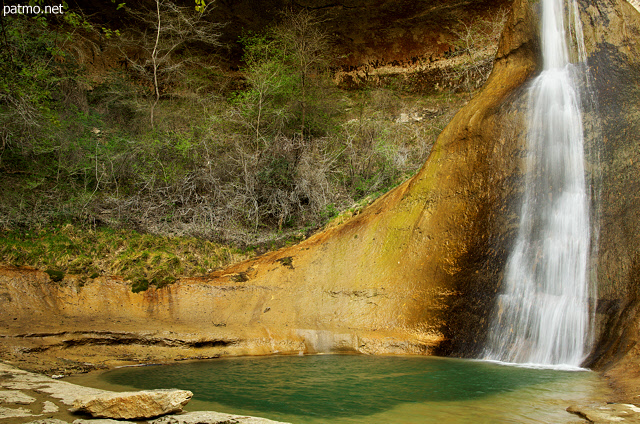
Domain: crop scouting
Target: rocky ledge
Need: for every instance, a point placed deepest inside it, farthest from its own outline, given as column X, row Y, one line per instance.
column 29, row 398
column 607, row 413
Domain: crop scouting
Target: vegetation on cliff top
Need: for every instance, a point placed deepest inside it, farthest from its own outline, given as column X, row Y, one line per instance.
column 143, row 259
column 178, row 147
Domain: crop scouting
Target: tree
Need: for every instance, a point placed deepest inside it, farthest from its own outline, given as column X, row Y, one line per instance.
column 307, row 44
column 265, row 106
column 285, row 69
column 167, row 29
column 286, row 103
column 476, row 46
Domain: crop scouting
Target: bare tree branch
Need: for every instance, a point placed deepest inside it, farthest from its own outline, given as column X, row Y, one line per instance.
column 174, row 28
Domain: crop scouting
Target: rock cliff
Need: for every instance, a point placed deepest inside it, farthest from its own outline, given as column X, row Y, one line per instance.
column 415, row 272
column 369, row 38
column 612, row 30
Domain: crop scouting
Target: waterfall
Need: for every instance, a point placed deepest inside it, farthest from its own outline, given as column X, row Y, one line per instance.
column 542, row 313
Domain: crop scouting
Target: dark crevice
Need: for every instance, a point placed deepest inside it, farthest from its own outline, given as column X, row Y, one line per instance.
column 120, row 339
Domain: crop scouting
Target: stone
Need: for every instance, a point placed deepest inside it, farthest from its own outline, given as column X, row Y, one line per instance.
column 133, row 405
column 208, row 417
column 14, row 413
column 98, row 421
column 66, row 392
column 49, row 407
column 15, row 396
column 48, row 421
column 608, row 413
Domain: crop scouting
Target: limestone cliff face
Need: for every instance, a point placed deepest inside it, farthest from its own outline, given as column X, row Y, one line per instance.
column 613, row 32
column 413, row 273
column 368, row 32
column 416, row 272
column 368, row 37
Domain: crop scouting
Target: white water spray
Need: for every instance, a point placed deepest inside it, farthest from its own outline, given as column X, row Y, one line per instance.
column 542, row 314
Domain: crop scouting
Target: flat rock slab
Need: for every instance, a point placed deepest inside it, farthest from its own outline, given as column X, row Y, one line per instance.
column 133, row 405
column 15, row 396
column 49, row 407
column 14, row 413
column 23, row 380
column 12, row 380
column 206, row 417
column 608, row 413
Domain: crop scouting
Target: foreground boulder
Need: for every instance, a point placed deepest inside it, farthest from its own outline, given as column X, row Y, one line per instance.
column 609, row 413
column 210, row 417
column 133, row 405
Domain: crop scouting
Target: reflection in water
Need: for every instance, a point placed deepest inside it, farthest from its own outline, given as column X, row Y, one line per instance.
column 365, row 389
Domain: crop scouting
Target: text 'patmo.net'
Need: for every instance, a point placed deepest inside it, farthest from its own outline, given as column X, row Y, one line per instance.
column 33, row 10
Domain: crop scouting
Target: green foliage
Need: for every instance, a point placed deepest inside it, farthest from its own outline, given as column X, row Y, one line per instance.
column 140, row 285
column 143, row 259
column 265, row 107
column 330, row 212
column 261, row 165
column 286, row 261
column 108, row 32
column 45, row 131
column 30, row 70
column 201, row 6
column 289, row 92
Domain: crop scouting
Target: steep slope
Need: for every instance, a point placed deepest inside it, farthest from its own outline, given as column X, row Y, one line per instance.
column 413, row 273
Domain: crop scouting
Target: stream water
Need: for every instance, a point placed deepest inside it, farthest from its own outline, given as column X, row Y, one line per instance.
column 542, row 315
column 366, row 389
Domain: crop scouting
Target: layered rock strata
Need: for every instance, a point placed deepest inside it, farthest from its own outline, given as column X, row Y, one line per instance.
column 413, row 273
column 416, row 272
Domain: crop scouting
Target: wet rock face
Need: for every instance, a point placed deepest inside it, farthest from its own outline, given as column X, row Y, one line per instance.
column 612, row 30
column 366, row 35
column 612, row 38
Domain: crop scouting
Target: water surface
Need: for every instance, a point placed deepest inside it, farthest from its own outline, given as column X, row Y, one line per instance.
column 366, row 389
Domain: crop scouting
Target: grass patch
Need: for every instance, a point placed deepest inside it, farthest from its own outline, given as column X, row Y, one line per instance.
column 144, row 259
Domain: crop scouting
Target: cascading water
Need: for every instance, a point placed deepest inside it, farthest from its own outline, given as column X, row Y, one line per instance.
column 542, row 315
